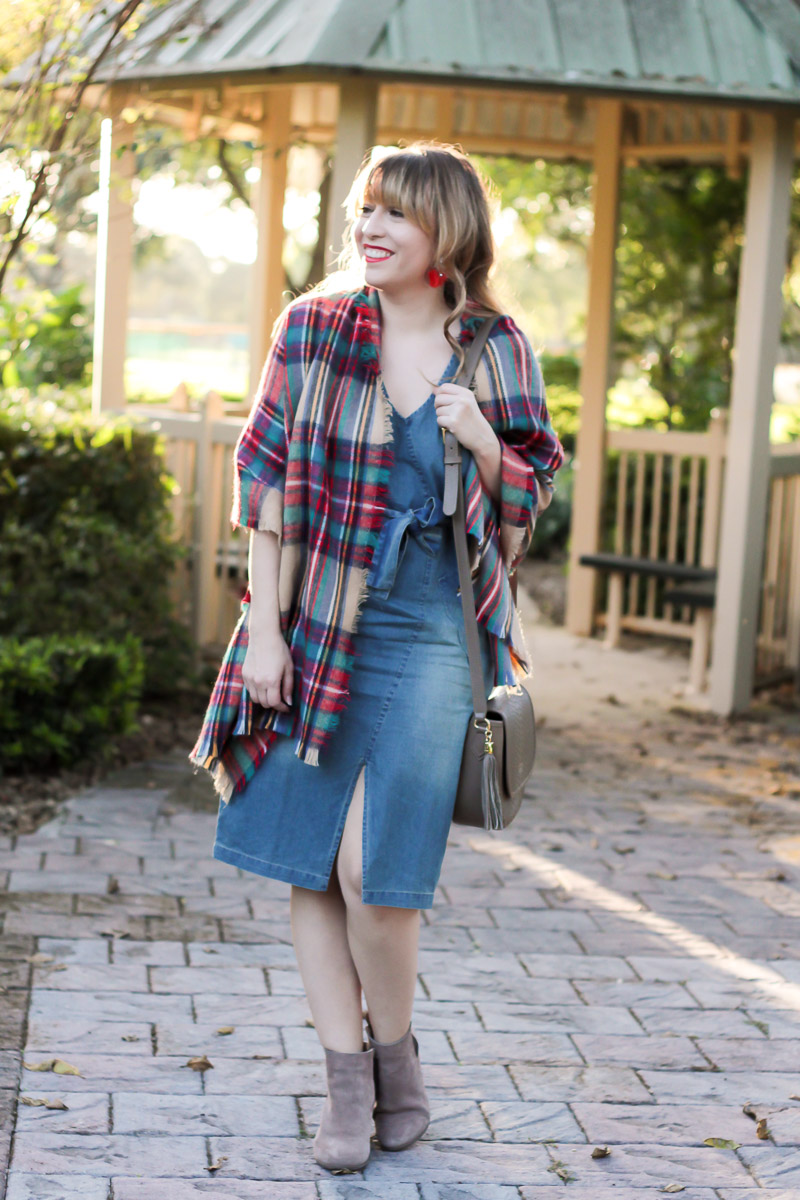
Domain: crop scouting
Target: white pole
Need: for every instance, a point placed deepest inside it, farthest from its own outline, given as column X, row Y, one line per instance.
column 758, row 316
column 112, row 275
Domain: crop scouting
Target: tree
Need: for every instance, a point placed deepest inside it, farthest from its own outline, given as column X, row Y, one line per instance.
column 677, row 281
column 681, row 229
column 54, row 51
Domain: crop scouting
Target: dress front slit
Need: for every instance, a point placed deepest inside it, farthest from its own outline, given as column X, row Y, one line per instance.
column 405, row 719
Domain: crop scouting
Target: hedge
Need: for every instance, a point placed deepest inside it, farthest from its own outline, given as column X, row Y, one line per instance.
column 87, row 557
column 62, row 698
column 85, row 536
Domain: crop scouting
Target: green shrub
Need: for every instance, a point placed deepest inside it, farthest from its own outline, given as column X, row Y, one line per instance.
column 551, row 532
column 561, row 374
column 45, row 338
column 62, row 698
column 85, row 541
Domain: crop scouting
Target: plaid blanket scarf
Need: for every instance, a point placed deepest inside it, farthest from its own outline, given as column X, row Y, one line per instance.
column 312, row 464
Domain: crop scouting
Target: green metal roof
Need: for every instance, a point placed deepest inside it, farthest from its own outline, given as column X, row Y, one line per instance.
column 723, row 49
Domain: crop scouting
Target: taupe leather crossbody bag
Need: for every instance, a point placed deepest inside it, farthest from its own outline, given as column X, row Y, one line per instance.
column 500, row 745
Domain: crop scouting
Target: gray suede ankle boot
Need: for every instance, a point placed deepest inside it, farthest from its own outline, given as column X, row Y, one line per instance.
column 342, row 1141
column 401, row 1110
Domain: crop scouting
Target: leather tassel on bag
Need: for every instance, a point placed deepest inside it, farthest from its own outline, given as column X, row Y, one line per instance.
column 490, row 793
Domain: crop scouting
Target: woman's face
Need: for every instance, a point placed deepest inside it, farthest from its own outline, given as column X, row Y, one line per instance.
column 396, row 252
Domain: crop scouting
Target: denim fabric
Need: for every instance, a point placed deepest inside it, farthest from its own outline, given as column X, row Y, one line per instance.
column 405, row 720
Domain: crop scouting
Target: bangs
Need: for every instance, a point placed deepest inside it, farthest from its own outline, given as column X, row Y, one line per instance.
column 403, row 181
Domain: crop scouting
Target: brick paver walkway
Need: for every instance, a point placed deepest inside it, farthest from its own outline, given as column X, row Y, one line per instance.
column 619, row 969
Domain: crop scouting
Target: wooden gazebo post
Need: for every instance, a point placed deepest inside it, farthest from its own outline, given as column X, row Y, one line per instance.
column 267, row 294
column 596, row 368
column 113, row 269
column 758, row 317
column 355, row 134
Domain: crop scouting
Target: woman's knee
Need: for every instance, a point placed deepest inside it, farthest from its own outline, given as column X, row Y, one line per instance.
column 349, row 857
column 348, row 874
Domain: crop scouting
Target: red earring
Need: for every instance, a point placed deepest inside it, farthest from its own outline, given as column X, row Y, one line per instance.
column 436, row 278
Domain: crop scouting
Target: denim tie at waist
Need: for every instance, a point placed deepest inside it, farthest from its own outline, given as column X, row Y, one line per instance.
column 424, row 524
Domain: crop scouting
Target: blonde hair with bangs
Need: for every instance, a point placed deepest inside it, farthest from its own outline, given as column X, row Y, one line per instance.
column 437, row 187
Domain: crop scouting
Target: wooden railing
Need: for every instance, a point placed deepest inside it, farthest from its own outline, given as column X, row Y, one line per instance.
column 198, row 455
column 663, row 499
column 778, row 645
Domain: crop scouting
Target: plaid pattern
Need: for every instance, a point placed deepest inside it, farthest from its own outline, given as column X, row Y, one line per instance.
column 312, row 464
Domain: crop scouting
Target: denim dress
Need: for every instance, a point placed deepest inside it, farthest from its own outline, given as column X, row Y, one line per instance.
column 406, row 717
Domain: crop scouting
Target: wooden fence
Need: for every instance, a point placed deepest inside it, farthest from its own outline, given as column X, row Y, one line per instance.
column 778, row 645
column 663, row 501
column 664, row 493
column 199, row 457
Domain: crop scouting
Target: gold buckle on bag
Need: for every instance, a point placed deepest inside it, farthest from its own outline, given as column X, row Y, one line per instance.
column 488, row 739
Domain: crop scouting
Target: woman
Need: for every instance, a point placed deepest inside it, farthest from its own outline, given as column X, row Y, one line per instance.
column 336, row 726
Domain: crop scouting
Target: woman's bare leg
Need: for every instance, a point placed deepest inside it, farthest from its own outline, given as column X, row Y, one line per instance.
column 383, row 941
column 319, row 933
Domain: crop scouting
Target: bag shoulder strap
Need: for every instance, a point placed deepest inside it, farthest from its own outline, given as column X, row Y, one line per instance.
column 453, row 504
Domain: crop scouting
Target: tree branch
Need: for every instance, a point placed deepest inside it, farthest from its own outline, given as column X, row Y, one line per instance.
column 56, row 140
column 229, row 172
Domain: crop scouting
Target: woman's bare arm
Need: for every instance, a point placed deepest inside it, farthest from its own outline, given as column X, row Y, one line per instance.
column 488, row 455
column 267, row 670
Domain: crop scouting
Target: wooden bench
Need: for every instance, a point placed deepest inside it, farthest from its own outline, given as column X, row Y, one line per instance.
column 693, row 595
column 693, row 587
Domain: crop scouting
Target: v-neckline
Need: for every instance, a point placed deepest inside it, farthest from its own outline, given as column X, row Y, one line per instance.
column 419, row 408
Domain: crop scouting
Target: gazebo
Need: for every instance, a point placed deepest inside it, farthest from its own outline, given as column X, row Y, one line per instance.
column 610, row 81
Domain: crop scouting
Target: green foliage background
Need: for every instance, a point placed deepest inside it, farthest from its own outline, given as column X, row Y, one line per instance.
column 63, row 697
column 86, row 561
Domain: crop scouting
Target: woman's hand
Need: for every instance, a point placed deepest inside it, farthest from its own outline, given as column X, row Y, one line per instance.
column 267, row 671
column 457, row 410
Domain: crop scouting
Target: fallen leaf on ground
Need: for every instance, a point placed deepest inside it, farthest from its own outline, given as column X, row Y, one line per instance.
column 40, row 1102
column 674, row 1187
column 624, row 849
column 57, row 1065
column 215, row 1166
column 115, row 933
column 200, row 1063
column 226, row 1029
column 39, row 959
column 663, row 874
column 601, row 1152
column 130, row 1037
column 761, row 1129
column 64, row 1068
column 721, row 1143
column 209, row 950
